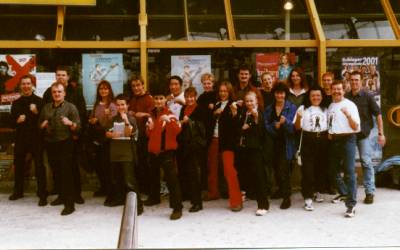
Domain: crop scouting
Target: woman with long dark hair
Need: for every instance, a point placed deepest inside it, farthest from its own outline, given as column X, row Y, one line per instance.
column 297, row 86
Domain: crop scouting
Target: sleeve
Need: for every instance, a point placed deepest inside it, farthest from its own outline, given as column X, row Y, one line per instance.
column 135, row 130
column 269, row 123
column 47, row 98
column 14, row 115
column 373, row 106
column 81, row 106
column 74, row 116
column 300, row 109
column 42, row 115
column 288, row 125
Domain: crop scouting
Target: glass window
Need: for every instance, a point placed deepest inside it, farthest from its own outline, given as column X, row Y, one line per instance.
column 257, row 19
column 363, row 19
column 207, row 20
column 115, row 20
column 396, row 8
column 28, row 22
column 166, row 20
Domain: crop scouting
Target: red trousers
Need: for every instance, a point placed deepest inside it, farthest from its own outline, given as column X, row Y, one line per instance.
column 235, row 196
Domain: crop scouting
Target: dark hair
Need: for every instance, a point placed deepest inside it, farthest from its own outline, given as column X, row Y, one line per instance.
column 5, row 64
column 303, row 82
column 244, row 67
column 158, row 89
column 307, row 101
column 136, row 78
column 280, row 86
column 190, row 91
column 356, row 72
column 28, row 76
column 175, row 77
column 229, row 86
column 63, row 68
column 122, row 97
column 110, row 97
column 337, row 82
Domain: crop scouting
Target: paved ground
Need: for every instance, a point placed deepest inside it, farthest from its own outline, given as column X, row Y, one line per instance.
column 24, row 225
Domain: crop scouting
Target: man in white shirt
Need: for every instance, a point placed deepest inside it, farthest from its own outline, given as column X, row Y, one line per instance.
column 176, row 99
column 343, row 125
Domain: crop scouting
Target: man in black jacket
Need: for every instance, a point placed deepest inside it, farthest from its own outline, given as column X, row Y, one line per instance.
column 25, row 113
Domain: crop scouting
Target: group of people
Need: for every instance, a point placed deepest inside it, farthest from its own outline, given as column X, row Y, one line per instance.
column 241, row 130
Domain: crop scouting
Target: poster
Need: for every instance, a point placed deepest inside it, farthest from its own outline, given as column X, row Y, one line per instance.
column 98, row 67
column 190, row 68
column 370, row 81
column 12, row 68
column 279, row 64
column 43, row 82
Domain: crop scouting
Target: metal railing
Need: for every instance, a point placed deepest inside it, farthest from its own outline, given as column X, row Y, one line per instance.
column 128, row 232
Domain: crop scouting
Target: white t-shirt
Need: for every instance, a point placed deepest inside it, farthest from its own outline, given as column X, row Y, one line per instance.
column 174, row 106
column 313, row 119
column 223, row 105
column 338, row 122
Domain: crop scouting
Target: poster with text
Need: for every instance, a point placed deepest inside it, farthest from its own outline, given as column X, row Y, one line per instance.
column 12, row 68
column 370, row 82
column 98, row 67
column 279, row 64
column 43, row 82
column 190, row 68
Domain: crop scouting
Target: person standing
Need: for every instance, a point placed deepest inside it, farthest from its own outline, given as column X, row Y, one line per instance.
column 245, row 86
column 60, row 121
column 367, row 108
column 297, row 86
column 25, row 115
column 343, row 125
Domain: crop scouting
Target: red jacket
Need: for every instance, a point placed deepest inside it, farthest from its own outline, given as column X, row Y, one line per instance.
column 172, row 129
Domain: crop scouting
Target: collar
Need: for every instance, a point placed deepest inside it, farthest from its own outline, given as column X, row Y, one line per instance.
column 301, row 92
column 59, row 106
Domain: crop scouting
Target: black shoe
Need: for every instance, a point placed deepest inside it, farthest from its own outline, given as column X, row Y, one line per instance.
column 266, row 205
column 195, row 208
column 15, row 196
column 79, row 200
column 286, row 203
column 276, row 195
column 176, row 214
column 150, row 202
column 108, row 201
column 42, row 201
column 369, row 199
column 67, row 210
column 140, row 210
column 115, row 203
column 57, row 202
column 100, row 193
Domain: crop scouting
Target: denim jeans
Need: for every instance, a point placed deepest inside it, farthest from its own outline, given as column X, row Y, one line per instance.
column 365, row 151
column 343, row 150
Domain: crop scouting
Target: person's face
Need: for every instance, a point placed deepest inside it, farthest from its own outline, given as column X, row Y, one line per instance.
column 355, row 83
column 159, row 101
column 337, row 92
column 190, row 99
column 175, row 87
column 315, row 97
column 250, row 101
column 62, row 77
column 208, row 85
column 26, row 87
column 267, row 82
column 137, row 87
column 244, row 76
column 280, row 96
column 104, row 91
column 327, row 82
column 3, row 70
column 284, row 59
column 122, row 106
column 223, row 93
column 58, row 93
column 296, row 79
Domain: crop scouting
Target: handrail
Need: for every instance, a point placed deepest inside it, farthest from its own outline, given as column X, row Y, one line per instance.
column 128, row 232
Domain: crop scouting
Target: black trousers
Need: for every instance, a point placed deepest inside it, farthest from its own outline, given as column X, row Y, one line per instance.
column 314, row 153
column 192, row 168
column 123, row 180
column 254, row 176
column 77, row 150
column 282, row 169
column 102, row 165
column 22, row 149
column 143, row 164
column 166, row 161
column 60, row 159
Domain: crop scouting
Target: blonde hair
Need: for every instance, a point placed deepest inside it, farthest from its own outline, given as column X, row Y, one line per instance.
column 207, row 76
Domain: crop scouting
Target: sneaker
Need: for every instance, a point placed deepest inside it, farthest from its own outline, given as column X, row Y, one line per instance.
column 308, row 206
column 318, row 197
column 339, row 198
column 350, row 212
column 261, row 212
column 369, row 199
column 176, row 214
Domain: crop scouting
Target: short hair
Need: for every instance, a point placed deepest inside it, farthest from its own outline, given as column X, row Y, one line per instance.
column 329, row 74
column 122, row 97
column 267, row 73
column 244, row 67
column 190, row 91
column 175, row 77
column 27, row 76
column 356, row 72
column 315, row 87
column 251, row 92
column 337, row 82
column 56, row 84
column 5, row 64
column 136, row 78
column 280, row 86
column 207, row 76
column 229, row 86
column 63, row 68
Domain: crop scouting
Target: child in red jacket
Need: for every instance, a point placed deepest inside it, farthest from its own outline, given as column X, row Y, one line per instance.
column 162, row 129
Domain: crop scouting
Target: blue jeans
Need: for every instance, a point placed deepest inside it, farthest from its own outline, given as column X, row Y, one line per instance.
column 343, row 150
column 365, row 151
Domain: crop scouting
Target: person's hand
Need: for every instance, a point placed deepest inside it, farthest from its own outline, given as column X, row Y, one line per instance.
column 218, row 111
column 180, row 102
column 44, row 124
column 381, row 140
column 21, row 118
column 150, row 123
column 109, row 134
column 345, row 111
column 124, row 117
column 282, row 120
column 211, row 106
column 277, row 125
column 185, row 119
column 254, row 113
column 165, row 118
column 93, row 120
column 66, row 121
column 239, row 102
column 245, row 126
column 300, row 114
column 233, row 108
column 33, row 108
column 169, row 98
column 141, row 114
